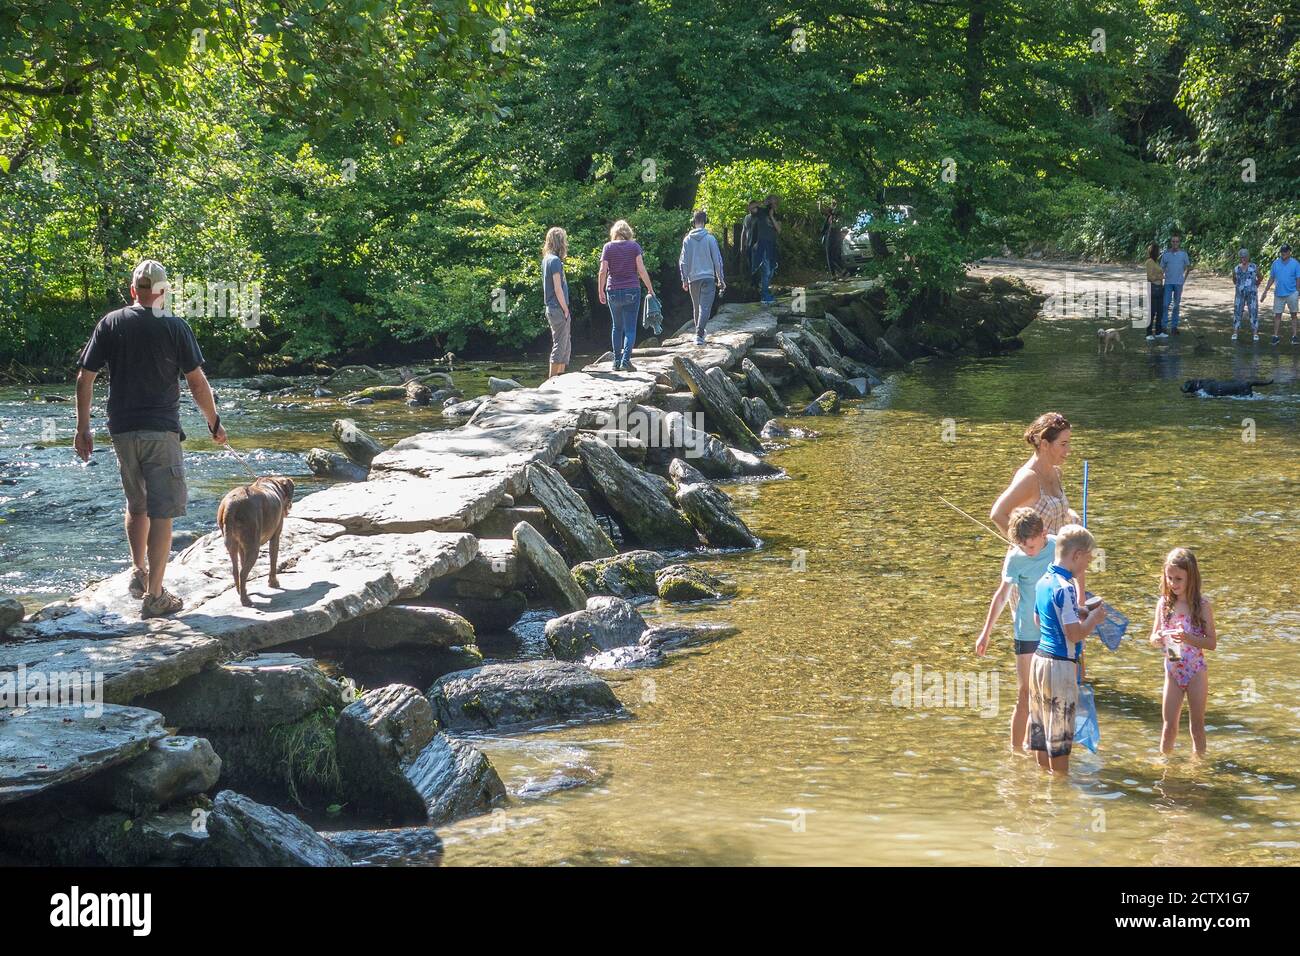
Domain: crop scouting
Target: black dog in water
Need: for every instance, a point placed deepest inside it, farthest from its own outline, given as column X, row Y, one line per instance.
column 1222, row 388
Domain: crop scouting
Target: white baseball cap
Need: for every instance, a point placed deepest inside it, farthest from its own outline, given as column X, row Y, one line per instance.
column 148, row 274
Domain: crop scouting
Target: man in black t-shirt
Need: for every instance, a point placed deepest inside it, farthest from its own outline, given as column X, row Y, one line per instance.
column 146, row 350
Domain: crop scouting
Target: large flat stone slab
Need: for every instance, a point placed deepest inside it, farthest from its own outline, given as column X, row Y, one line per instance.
column 401, row 502
column 414, row 560
column 130, row 665
column 746, row 318
column 46, row 746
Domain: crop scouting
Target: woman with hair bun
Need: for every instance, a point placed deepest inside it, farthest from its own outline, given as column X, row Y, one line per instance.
column 1038, row 483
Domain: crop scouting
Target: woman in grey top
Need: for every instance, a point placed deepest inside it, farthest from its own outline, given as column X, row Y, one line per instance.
column 555, row 292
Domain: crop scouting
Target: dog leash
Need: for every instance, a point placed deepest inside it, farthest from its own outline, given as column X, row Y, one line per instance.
column 226, row 445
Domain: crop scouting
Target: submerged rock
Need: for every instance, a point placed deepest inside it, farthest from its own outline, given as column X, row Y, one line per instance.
column 625, row 575
column 330, row 464
column 548, row 568
column 404, row 846
column 709, row 509
column 242, row 832
column 774, row 429
column 395, row 762
column 605, row 623
column 11, row 613
column 683, row 582
column 516, row 695
column 827, row 403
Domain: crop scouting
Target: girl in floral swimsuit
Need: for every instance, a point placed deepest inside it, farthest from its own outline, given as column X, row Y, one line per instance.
column 1184, row 629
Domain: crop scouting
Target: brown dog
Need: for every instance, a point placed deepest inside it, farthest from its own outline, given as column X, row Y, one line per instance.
column 249, row 516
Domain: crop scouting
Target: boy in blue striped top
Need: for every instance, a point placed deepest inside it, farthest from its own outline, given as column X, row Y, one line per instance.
column 1054, row 673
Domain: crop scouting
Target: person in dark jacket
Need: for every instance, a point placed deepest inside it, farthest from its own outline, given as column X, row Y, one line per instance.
column 763, row 252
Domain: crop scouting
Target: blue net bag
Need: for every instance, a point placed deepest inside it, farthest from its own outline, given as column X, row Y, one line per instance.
column 1086, row 729
column 1112, row 626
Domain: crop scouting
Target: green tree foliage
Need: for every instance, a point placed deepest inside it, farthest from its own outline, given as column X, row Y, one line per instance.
column 385, row 170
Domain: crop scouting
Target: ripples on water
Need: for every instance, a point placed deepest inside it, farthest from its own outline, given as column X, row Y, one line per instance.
column 60, row 520
column 782, row 744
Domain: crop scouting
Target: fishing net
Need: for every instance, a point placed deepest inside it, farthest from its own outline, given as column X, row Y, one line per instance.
column 1112, row 626
column 1086, row 730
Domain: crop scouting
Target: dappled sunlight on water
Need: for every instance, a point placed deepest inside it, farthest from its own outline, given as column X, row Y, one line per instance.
column 783, row 744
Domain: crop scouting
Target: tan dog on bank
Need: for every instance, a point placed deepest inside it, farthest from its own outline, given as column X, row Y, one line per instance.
column 249, row 516
column 1108, row 339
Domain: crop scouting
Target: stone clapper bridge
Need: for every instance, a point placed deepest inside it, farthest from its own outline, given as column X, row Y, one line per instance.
column 355, row 548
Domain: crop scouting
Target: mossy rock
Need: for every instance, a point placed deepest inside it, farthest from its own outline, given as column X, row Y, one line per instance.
column 297, row 762
column 827, row 403
column 624, row 575
column 380, row 393
column 682, row 582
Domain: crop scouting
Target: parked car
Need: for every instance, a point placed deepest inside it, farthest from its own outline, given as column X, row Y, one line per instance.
column 857, row 247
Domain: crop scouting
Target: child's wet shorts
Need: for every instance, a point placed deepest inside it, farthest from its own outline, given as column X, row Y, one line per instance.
column 1053, row 698
column 1026, row 647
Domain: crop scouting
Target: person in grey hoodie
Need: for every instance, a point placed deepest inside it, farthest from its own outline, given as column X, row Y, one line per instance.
column 701, row 267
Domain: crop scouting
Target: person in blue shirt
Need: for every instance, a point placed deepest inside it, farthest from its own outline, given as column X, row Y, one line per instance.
column 1054, row 672
column 1176, row 265
column 1284, row 271
column 1027, row 560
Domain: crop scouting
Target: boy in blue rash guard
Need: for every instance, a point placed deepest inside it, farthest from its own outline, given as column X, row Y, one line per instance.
column 1032, row 552
column 1054, row 672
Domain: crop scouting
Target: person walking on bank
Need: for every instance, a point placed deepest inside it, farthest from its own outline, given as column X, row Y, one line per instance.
column 833, row 241
column 555, row 292
column 146, row 350
column 1176, row 265
column 700, row 265
column 763, row 255
column 1285, row 270
column 747, row 239
column 622, row 271
column 1156, row 280
column 1245, row 279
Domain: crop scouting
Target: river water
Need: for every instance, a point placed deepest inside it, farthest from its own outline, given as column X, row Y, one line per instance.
column 790, row 742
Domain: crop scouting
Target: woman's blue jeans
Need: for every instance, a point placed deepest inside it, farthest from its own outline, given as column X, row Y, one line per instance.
column 624, row 309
